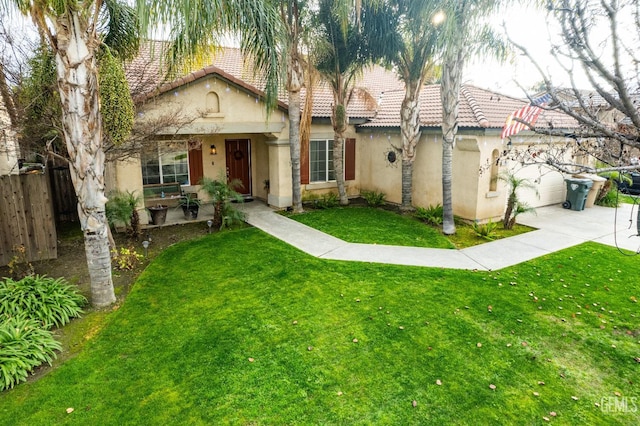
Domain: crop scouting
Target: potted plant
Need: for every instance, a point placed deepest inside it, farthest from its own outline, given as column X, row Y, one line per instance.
column 190, row 205
column 158, row 213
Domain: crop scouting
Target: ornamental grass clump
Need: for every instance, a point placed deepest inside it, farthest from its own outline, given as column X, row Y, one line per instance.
column 24, row 345
column 431, row 215
column 374, row 198
column 50, row 302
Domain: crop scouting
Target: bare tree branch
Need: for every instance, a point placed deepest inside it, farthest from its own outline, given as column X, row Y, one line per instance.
column 607, row 112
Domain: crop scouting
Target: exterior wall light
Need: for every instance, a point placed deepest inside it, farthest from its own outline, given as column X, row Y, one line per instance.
column 213, row 150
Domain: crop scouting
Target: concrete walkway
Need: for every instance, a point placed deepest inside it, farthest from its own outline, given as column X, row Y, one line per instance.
column 557, row 229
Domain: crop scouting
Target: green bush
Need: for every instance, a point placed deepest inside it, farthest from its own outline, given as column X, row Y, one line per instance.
column 374, row 198
column 324, row 201
column 485, row 230
column 24, row 345
column 127, row 258
column 121, row 208
column 222, row 194
column 327, row 201
column 610, row 198
column 431, row 215
column 46, row 300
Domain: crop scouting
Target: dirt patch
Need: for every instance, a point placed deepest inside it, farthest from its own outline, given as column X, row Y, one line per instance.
column 71, row 263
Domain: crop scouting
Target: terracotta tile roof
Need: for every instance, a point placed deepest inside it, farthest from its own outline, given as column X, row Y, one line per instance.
column 146, row 76
column 478, row 108
column 378, row 95
column 369, row 86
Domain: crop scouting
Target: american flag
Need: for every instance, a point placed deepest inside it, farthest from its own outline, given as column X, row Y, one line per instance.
column 527, row 114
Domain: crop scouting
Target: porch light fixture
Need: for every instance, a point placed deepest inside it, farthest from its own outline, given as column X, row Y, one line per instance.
column 213, row 150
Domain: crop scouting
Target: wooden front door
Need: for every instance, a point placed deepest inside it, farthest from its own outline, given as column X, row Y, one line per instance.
column 238, row 157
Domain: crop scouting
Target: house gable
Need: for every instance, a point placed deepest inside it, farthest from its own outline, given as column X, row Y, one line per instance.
column 214, row 105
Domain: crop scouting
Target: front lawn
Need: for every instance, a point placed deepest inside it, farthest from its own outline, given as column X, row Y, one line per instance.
column 367, row 225
column 240, row 328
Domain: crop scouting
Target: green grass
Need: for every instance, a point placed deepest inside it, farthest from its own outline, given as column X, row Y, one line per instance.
column 465, row 236
column 376, row 226
column 629, row 199
column 177, row 351
column 373, row 226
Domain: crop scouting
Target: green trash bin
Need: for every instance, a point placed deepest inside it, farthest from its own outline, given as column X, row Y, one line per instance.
column 577, row 190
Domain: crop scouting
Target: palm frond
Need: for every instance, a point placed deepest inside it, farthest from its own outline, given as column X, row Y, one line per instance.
column 120, row 27
column 196, row 26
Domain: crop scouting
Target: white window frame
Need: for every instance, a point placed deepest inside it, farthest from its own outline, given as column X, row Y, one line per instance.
column 164, row 148
column 328, row 160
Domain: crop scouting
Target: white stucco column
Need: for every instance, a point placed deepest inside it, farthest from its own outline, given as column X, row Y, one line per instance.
column 279, row 174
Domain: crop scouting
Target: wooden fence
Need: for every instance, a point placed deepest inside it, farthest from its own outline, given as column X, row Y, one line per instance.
column 65, row 202
column 26, row 218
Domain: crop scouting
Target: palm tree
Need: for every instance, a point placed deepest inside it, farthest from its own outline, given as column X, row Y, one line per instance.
column 347, row 40
column 515, row 206
column 75, row 30
column 290, row 14
column 71, row 29
column 463, row 34
column 411, row 46
column 338, row 63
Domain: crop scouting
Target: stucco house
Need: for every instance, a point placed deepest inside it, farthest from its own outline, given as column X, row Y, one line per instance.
column 225, row 130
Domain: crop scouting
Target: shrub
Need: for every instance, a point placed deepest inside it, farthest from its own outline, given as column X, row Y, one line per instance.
column 19, row 265
column 24, row 345
column 46, row 300
column 485, row 230
column 121, row 207
column 222, row 194
column 327, row 201
column 374, row 198
column 431, row 215
column 127, row 258
column 324, row 201
column 609, row 198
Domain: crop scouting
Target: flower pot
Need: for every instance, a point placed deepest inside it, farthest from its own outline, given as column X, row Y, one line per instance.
column 191, row 212
column 158, row 214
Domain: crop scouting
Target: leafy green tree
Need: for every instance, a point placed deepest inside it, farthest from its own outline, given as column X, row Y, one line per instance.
column 75, row 30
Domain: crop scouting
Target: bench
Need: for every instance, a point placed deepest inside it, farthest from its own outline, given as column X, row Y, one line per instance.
column 162, row 193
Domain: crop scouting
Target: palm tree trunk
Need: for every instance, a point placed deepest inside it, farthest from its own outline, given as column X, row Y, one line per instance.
column 338, row 166
column 507, row 214
column 410, row 133
column 294, row 84
column 450, row 90
column 82, row 128
column 340, row 119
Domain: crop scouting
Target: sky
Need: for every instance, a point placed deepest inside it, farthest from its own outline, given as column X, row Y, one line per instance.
column 526, row 26
column 534, row 30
